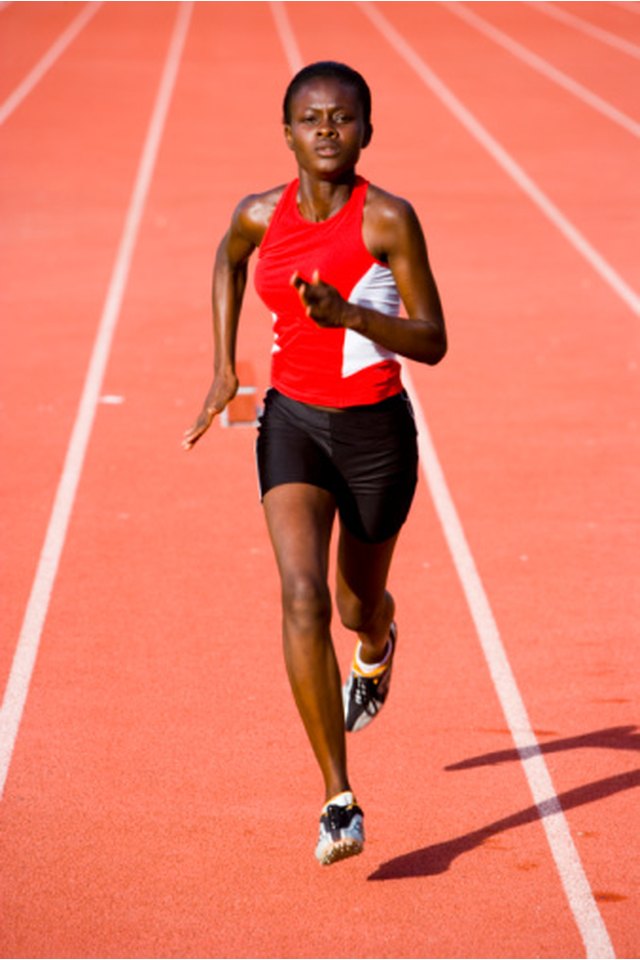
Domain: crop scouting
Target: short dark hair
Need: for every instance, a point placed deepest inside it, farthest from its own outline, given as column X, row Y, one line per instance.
column 329, row 68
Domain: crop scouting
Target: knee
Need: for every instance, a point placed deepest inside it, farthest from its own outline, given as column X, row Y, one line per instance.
column 306, row 603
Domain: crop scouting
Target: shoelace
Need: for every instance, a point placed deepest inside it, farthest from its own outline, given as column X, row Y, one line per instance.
column 337, row 817
column 362, row 692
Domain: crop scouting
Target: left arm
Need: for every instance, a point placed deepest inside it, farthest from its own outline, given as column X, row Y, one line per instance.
column 392, row 233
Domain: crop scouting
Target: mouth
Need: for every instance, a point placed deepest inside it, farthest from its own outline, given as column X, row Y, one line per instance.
column 327, row 149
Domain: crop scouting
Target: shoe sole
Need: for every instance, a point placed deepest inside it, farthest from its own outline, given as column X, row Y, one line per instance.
column 341, row 850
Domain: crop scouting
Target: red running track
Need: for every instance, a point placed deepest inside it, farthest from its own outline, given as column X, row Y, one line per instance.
column 160, row 798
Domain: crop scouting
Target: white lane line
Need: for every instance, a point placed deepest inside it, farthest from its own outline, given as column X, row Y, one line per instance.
column 47, row 61
column 567, row 859
column 604, row 36
column 287, row 36
column 27, row 648
column 502, row 157
column 545, row 68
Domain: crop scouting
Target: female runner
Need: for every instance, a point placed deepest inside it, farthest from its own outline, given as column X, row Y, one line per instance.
column 337, row 436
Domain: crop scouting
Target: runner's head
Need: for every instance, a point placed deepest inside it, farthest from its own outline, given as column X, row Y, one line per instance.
column 330, row 69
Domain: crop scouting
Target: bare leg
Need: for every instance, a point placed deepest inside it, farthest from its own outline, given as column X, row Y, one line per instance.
column 300, row 519
column 364, row 603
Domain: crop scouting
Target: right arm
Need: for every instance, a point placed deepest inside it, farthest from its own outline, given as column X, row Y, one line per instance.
column 248, row 226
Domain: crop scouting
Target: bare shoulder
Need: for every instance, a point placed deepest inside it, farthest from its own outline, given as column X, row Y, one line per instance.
column 253, row 214
column 389, row 221
column 381, row 204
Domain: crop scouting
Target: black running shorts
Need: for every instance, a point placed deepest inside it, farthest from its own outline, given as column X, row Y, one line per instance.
column 367, row 457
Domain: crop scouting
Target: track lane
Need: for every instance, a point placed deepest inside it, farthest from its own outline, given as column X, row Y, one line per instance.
column 62, row 216
column 376, row 55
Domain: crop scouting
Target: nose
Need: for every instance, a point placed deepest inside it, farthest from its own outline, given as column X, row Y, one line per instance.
column 326, row 128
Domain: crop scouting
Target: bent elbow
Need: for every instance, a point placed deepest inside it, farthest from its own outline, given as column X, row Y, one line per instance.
column 442, row 352
column 437, row 351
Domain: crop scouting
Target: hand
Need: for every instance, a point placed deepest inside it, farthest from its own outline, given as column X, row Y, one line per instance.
column 222, row 391
column 322, row 302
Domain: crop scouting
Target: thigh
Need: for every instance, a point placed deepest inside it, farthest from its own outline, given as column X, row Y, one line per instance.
column 300, row 520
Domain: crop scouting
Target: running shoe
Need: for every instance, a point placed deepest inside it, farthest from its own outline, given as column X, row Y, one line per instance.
column 341, row 831
column 364, row 696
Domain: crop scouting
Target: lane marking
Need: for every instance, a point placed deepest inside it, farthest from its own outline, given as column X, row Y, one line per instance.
column 54, row 52
column 545, row 68
column 604, row 36
column 502, row 157
column 27, row 648
column 287, row 36
column 563, row 850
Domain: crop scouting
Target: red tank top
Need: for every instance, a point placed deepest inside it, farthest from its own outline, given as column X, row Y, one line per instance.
column 334, row 368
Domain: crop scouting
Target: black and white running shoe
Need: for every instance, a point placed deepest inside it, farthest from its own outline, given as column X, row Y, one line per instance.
column 341, row 831
column 363, row 695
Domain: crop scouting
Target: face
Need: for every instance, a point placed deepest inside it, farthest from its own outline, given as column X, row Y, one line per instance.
column 326, row 130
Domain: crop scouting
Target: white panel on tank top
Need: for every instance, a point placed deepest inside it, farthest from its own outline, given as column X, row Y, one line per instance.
column 376, row 290
column 275, row 347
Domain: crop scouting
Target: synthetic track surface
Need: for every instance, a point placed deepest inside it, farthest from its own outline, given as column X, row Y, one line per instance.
column 160, row 797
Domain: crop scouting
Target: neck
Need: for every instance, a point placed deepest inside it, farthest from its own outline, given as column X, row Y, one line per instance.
column 320, row 199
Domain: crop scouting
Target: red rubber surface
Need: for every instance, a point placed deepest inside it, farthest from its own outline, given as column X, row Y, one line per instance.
column 161, row 798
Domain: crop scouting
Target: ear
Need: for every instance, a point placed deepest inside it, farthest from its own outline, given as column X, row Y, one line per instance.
column 288, row 136
column 366, row 140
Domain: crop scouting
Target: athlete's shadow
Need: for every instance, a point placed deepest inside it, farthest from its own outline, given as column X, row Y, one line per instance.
column 611, row 738
column 437, row 858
